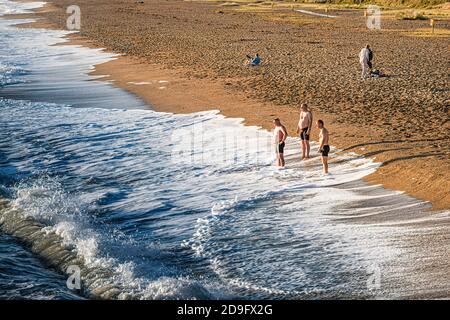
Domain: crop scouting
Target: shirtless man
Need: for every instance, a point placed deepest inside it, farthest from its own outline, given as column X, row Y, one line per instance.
column 280, row 134
column 324, row 147
column 304, row 129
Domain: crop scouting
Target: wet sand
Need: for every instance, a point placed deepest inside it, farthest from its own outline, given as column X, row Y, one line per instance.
column 187, row 56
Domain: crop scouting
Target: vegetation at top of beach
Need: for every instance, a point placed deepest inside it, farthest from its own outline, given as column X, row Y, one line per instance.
column 345, row 3
column 405, row 15
column 384, row 3
column 417, row 9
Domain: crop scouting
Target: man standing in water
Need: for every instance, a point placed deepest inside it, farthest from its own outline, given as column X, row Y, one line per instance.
column 304, row 129
column 280, row 134
column 324, row 147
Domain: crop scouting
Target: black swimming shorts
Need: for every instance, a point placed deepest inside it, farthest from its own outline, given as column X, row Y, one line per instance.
column 280, row 148
column 304, row 135
column 325, row 150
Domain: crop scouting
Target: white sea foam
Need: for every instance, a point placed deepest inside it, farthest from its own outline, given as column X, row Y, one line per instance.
column 13, row 7
column 106, row 151
column 143, row 83
column 9, row 74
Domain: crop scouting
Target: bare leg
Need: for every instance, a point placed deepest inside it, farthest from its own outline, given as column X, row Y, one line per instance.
column 308, row 149
column 278, row 160
column 364, row 70
column 325, row 164
column 282, row 162
column 303, row 149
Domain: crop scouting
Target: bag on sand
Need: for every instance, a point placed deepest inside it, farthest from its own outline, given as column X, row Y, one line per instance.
column 376, row 73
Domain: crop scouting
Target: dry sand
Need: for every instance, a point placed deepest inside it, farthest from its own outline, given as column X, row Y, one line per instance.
column 198, row 47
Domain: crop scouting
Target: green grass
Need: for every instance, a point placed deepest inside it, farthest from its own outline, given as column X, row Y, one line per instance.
column 429, row 33
column 385, row 3
column 411, row 16
column 397, row 9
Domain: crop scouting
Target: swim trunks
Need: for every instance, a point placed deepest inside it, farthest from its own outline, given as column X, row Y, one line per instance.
column 325, row 150
column 304, row 135
column 280, row 148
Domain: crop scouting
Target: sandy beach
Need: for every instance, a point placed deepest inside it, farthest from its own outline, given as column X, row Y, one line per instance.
column 182, row 57
column 136, row 156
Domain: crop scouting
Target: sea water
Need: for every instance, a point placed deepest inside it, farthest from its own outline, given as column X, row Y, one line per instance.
column 164, row 206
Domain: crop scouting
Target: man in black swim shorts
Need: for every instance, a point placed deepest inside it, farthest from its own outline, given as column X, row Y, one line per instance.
column 325, row 150
column 304, row 135
column 324, row 147
column 279, row 134
column 281, row 147
column 304, row 129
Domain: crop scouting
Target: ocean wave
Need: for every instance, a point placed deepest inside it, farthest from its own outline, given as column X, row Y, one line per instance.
column 53, row 223
column 10, row 74
column 102, row 188
column 13, row 7
column 62, row 247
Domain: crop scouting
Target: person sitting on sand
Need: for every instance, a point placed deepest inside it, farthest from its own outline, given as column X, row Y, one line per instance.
column 304, row 129
column 253, row 61
column 364, row 58
column 279, row 134
column 324, row 147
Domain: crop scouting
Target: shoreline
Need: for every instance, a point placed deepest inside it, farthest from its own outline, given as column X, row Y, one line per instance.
column 368, row 224
column 176, row 90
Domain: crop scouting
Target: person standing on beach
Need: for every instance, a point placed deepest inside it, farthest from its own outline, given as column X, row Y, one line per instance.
column 324, row 147
column 304, row 129
column 280, row 134
column 364, row 60
column 369, row 63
